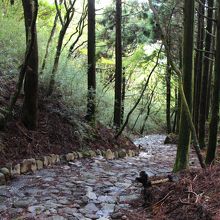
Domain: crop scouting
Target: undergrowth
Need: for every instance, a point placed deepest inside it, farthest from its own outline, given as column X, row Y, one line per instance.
column 71, row 79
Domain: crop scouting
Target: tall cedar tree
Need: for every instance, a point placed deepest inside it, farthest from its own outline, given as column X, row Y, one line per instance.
column 199, row 63
column 206, row 74
column 91, row 62
column 213, row 127
column 118, row 68
column 182, row 157
column 168, row 87
column 30, row 105
column 185, row 107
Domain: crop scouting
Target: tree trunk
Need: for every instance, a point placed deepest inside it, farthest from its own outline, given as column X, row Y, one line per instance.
column 185, row 106
column 210, row 79
column 176, row 115
column 48, row 43
column 56, row 61
column 213, row 127
column 182, row 157
column 168, row 95
column 65, row 22
column 205, row 77
column 178, row 93
column 209, row 92
column 30, row 105
column 198, row 63
column 123, row 96
column 118, row 68
column 148, row 110
column 139, row 115
column 91, row 106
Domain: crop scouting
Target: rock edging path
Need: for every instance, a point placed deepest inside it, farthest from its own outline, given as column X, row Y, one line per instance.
column 85, row 189
column 10, row 171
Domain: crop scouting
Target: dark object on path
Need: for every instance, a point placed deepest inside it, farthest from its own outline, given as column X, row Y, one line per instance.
column 147, row 184
column 171, row 139
column 144, row 179
column 173, row 178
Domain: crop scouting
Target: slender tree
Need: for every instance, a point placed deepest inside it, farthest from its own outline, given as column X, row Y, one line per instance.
column 91, row 106
column 78, row 33
column 178, row 95
column 49, row 43
column 118, row 68
column 151, row 97
column 206, row 72
column 175, row 121
column 65, row 21
column 30, row 105
column 182, row 157
column 211, row 66
column 213, row 127
column 198, row 62
column 168, row 97
column 123, row 96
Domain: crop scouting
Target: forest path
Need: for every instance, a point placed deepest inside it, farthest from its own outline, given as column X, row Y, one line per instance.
column 85, row 189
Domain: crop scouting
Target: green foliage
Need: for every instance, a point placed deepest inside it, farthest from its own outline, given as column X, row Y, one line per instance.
column 46, row 14
column 12, row 39
column 71, row 79
column 137, row 27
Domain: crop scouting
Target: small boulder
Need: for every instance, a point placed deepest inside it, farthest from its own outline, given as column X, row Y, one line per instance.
column 28, row 165
column 75, row 154
column 2, row 179
column 91, row 195
column 99, row 152
column 53, row 158
column 63, row 158
column 57, row 159
column 103, row 153
column 70, row 157
column 92, row 153
column 21, row 204
column 17, row 170
column 131, row 153
column 6, row 172
column 40, row 164
column 109, row 155
column 50, row 162
column 116, row 154
column 171, row 139
column 122, row 153
column 86, row 153
column 45, row 161
column 79, row 155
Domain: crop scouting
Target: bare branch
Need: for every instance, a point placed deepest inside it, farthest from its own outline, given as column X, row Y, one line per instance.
column 59, row 12
column 141, row 95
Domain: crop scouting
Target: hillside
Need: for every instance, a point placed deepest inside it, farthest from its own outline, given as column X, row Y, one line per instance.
column 60, row 130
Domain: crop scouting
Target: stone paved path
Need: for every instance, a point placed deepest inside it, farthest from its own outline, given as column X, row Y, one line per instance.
column 84, row 189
